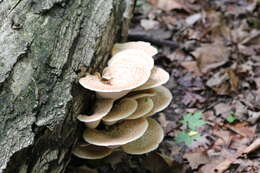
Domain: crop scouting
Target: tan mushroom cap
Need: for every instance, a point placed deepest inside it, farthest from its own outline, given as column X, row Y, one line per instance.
column 141, row 93
column 118, row 134
column 132, row 57
column 112, row 95
column 144, row 46
column 120, row 110
column 88, row 151
column 120, row 78
column 92, row 124
column 145, row 105
column 148, row 142
column 158, row 77
column 161, row 100
column 103, row 107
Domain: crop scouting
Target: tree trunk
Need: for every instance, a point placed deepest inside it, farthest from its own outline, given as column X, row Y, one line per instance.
column 45, row 45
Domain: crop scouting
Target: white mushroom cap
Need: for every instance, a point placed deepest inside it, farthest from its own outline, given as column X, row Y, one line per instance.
column 161, row 100
column 119, row 134
column 158, row 77
column 88, row 151
column 119, row 78
column 144, row 46
column 141, row 93
column 148, row 142
column 132, row 57
column 145, row 105
column 120, row 110
column 103, row 107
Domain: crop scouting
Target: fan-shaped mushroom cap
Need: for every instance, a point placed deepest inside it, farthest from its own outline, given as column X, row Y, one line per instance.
column 161, row 100
column 92, row 124
column 145, row 105
column 118, row 79
column 140, row 94
column 88, row 151
column 120, row 110
column 158, row 77
column 148, row 142
column 144, row 46
column 119, row 134
column 132, row 57
column 112, row 95
column 103, row 107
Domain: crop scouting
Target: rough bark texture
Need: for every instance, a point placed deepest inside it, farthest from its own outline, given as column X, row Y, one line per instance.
column 43, row 44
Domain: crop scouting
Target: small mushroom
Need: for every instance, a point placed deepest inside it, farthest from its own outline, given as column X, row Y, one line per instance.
column 120, row 110
column 144, row 46
column 118, row 134
column 145, row 105
column 103, row 107
column 132, row 57
column 158, row 77
column 148, row 142
column 117, row 81
column 161, row 100
column 88, row 151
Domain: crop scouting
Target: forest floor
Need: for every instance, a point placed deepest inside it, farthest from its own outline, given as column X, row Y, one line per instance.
column 211, row 49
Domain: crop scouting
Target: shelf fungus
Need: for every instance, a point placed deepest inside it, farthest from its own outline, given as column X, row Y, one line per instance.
column 129, row 91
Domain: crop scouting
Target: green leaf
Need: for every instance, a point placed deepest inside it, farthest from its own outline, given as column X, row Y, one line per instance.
column 193, row 121
column 231, row 118
column 187, row 138
column 183, row 137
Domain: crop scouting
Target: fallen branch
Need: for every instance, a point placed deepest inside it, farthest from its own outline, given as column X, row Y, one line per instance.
column 142, row 36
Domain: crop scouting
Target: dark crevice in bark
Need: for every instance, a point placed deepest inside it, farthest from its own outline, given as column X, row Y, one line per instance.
column 14, row 165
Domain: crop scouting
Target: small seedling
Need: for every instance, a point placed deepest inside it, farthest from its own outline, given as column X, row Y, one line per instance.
column 186, row 137
column 192, row 123
column 231, row 118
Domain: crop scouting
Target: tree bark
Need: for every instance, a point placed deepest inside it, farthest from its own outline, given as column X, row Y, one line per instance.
column 45, row 45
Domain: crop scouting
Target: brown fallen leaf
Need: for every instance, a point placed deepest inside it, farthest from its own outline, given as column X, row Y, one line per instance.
column 227, row 150
column 233, row 80
column 196, row 159
column 211, row 56
column 191, row 66
column 223, row 109
column 242, row 129
column 224, row 82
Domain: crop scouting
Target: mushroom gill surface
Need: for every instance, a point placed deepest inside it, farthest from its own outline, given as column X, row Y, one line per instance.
column 145, row 105
column 88, row 151
column 148, row 142
column 118, row 134
column 124, row 108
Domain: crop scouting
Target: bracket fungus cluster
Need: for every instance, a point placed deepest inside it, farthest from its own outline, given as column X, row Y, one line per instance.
column 128, row 91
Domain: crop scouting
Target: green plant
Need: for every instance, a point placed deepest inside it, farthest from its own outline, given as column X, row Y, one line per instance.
column 192, row 123
column 231, row 118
